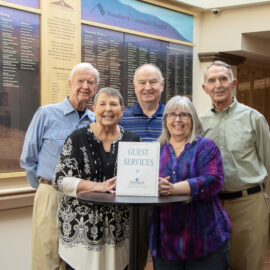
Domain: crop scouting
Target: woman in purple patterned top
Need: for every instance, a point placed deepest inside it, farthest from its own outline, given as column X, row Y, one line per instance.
column 195, row 235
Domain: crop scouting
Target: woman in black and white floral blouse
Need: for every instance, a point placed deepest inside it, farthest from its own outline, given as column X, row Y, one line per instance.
column 93, row 236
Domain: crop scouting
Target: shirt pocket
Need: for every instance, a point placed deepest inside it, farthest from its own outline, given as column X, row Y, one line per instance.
column 240, row 140
column 57, row 140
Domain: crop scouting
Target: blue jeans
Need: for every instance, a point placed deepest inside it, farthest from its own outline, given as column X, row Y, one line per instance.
column 217, row 260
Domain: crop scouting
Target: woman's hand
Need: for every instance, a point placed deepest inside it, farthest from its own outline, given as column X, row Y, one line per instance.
column 109, row 185
column 106, row 186
column 164, row 186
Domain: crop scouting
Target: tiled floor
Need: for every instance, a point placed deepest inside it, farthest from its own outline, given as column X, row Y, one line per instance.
column 267, row 259
column 149, row 265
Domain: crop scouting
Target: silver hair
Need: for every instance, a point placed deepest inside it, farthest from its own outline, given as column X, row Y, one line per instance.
column 83, row 66
column 183, row 103
column 111, row 92
column 151, row 65
column 219, row 63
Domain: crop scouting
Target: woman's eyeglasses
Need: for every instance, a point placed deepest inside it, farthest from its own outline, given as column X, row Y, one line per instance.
column 182, row 115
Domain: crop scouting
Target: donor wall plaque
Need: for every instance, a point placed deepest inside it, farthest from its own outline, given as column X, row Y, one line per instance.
column 19, row 81
column 117, row 55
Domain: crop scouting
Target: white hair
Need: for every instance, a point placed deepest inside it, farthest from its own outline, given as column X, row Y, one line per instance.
column 219, row 63
column 83, row 66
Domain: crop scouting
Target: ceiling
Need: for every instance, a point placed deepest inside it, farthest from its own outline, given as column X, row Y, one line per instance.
column 209, row 4
column 255, row 55
column 261, row 35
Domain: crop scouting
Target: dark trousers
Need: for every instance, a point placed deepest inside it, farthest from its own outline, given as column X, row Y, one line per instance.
column 217, row 260
column 145, row 214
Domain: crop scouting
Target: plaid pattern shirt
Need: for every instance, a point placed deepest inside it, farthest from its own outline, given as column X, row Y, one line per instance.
column 196, row 229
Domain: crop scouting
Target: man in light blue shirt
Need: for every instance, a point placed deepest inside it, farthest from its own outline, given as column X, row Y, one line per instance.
column 43, row 142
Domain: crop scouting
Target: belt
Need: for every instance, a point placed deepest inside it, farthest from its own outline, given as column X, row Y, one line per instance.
column 45, row 181
column 238, row 194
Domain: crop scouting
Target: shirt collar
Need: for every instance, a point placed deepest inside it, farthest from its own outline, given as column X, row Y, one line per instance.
column 137, row 110
column 68, row 108
column 228, row 109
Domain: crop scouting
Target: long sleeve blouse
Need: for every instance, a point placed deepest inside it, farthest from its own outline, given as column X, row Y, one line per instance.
column 202, row 226
column 91, row 236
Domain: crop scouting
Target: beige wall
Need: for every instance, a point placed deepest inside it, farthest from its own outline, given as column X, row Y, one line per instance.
column 200, row 100
column 15, row 237
column 224, row 33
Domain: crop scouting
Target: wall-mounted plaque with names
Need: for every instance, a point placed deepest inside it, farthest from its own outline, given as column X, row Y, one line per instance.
column 139, row 51
column 177, row 69
column 104, row 50
column 117, row 55
column 19, row 81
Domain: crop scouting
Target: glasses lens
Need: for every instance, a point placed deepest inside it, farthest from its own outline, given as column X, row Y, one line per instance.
column 182, row 115
column 172, row 115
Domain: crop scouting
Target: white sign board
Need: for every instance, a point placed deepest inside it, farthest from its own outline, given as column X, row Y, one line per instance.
column 138, row 168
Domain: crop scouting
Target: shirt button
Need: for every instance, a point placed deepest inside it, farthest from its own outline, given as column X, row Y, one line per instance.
column 202, row 190
column 173, row 172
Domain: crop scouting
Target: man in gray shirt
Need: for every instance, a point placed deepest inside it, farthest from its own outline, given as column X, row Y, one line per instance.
column 242, row 135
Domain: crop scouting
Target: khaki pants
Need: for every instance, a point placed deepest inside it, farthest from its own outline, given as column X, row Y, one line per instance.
column 45, row 228
column 250, row 225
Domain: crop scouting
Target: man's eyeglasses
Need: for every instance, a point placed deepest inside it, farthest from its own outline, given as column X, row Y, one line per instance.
column 182, row 115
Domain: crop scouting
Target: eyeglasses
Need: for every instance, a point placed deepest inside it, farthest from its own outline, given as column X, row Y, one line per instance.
column 182, row 115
